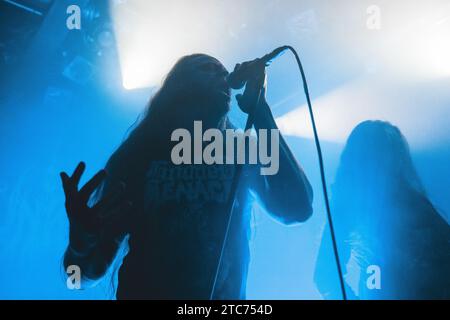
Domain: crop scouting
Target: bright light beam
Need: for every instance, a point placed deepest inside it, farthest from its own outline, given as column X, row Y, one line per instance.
column 412, row 107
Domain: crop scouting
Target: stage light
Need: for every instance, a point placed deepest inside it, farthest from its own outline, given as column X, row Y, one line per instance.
column 422, row 49
column 152, row 35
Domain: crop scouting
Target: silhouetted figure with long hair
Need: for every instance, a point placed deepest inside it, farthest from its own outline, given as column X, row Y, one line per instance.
column 175, row 215
column 393, row 244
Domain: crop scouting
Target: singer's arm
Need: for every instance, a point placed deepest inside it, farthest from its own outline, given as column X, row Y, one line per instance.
column 287, row 195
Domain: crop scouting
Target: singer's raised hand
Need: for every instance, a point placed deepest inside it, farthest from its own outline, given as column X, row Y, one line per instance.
column 91, row 220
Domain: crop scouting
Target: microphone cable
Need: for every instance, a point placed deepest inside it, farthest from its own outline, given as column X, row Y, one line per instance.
column 322, row 172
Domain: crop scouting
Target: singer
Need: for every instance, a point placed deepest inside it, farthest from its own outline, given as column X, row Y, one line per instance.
column 174, row 216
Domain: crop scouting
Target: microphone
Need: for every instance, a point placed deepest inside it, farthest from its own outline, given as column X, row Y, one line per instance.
column 243, row 71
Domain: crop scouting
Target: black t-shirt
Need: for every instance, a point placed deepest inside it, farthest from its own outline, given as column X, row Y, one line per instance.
column 176, row 244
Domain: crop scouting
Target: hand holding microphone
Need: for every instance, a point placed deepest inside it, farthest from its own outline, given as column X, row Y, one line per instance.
column 255, row 87
column 252, row 74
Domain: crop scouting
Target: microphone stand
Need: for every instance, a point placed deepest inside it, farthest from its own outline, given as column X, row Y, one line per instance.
column 232, row 195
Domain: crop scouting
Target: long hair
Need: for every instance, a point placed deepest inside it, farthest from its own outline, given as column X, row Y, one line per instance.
column 146, row 139
column 375, row 169
column 377, row 151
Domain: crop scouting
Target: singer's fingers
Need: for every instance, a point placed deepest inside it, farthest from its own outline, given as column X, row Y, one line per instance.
column 78, row 172
column 65, row 182
column 92, row 184
column 256, row 82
